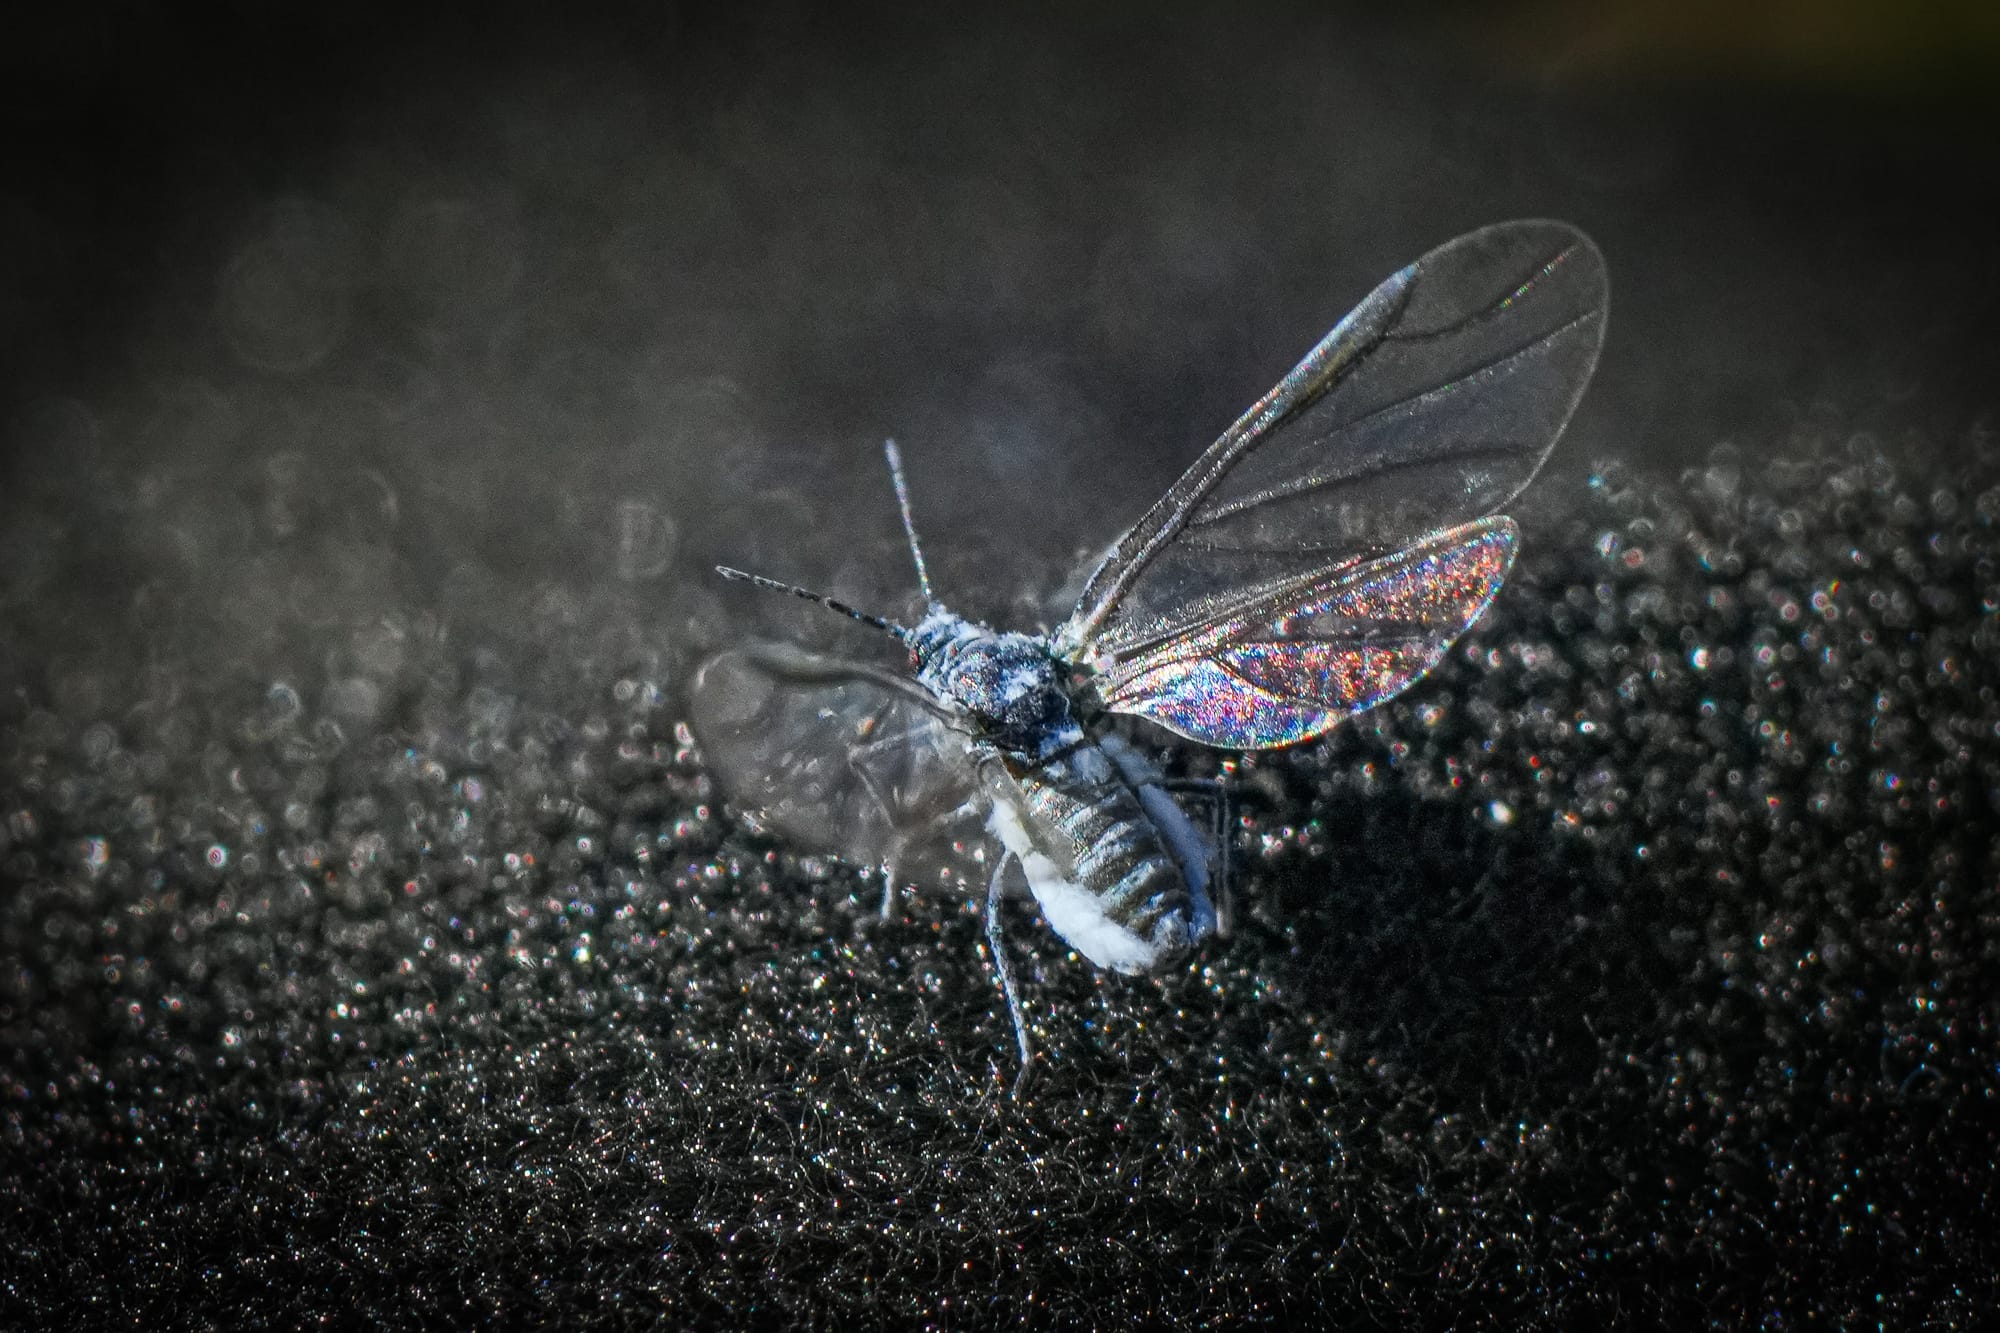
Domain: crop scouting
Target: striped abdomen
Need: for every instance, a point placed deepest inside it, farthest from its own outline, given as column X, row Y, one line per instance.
column 1116, row 866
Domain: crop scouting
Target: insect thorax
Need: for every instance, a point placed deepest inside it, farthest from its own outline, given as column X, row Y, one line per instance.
column 1008, row 683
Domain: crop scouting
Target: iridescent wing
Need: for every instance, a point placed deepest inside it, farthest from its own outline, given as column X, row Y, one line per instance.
column 1295, row 658
column 1325, row 552
column 846, row 757
column 1429, row 406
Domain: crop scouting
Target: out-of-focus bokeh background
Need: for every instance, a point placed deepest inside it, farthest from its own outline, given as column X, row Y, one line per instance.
column 377, row 389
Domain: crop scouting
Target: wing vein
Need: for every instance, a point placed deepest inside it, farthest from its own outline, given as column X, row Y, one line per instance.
column 1486, row 314
column 1320, row 480
column 1477, row 376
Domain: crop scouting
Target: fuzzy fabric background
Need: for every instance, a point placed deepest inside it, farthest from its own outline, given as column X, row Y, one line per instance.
column 374, row 944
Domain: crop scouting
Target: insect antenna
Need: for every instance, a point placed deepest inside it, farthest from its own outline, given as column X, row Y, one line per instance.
column 887, row 626
column 895, row 457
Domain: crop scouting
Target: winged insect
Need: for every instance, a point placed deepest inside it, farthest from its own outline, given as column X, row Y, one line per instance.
column 1316, row 560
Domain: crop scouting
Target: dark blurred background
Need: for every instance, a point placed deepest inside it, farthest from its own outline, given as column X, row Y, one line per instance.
column 378, row 387
column 522, row 293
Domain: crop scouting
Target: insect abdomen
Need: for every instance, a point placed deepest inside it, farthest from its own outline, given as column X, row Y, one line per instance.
column 1118, row 855
column 1097, row 863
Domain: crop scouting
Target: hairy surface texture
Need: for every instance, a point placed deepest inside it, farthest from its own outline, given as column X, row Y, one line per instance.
column 375, row 944
column 1641, row 962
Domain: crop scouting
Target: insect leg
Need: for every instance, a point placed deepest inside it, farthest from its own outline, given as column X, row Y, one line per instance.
column 889, row 881
column 1006, row 971
column 1220, row 797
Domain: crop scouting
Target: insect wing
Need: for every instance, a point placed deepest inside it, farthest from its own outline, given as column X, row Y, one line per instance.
column 840, row 755
column 1433, row 403
column 1296, row 659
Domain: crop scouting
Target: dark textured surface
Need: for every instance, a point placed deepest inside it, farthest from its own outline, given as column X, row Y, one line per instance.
column 375, row 944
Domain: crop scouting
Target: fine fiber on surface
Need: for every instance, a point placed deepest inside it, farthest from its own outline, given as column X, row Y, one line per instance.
column 376, row 946
column 1640, row 958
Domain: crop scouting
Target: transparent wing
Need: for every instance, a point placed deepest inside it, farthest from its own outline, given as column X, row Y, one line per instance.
column 1294, row 658
column 1430, row 405
column 840, row 755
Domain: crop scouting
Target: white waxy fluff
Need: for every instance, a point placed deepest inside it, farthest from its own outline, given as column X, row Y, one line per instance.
column 1073, row 912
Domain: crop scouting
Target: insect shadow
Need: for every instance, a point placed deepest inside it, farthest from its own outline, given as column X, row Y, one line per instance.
column 1317, row 559
column 1474, row 956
